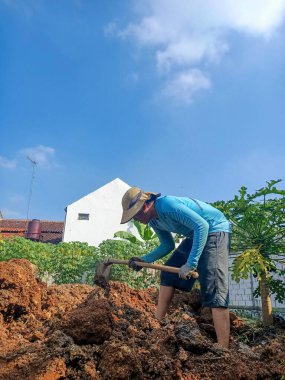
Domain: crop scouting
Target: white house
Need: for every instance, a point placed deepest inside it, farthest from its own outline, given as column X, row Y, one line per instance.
column 96, row 217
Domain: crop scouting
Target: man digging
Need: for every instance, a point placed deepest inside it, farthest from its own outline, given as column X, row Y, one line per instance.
column 205, row 248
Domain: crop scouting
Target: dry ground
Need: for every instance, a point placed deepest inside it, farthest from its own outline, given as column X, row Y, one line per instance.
column 84, row 332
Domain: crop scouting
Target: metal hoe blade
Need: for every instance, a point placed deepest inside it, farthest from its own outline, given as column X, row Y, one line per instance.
column 102, row 275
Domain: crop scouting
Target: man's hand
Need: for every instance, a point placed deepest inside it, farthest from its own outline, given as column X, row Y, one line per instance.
column 185, row 272
column 133, row 265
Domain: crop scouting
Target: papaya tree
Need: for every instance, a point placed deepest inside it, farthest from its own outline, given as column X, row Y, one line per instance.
column 258, row 233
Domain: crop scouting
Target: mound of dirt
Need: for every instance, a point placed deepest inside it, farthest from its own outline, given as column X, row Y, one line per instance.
column 84, row 332
column 17, row 290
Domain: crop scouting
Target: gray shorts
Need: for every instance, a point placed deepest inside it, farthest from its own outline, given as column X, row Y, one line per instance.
column 212, row 269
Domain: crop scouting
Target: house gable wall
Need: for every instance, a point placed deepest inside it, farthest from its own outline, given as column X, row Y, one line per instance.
column 104, row 209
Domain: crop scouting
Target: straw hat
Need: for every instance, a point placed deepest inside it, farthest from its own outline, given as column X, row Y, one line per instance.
column 133, row 201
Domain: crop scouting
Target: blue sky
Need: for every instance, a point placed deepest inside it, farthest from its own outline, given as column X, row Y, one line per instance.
column 181, row 97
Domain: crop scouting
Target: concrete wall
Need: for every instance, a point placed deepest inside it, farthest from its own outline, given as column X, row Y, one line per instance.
column 241, row 294
column 104, row 209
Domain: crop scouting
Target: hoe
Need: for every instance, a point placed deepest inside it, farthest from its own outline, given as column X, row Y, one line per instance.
column 103, row 270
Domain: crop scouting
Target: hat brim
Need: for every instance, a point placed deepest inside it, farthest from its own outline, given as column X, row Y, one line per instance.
column 132, row 212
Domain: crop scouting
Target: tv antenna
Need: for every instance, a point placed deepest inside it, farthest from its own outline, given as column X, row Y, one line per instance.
column 34, row 164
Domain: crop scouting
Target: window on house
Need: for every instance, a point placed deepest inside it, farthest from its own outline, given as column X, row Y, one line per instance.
column 83, row 216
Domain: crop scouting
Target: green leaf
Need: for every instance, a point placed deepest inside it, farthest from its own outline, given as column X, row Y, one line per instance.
column 127, row 236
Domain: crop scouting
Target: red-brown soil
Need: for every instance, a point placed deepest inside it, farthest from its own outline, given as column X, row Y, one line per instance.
column 84, row 332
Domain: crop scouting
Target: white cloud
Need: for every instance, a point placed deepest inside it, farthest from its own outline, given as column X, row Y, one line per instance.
column 10, row 214
column 259, row 17
column 111, row 29
column 190, row 50
column 25, row 8
column 186, row 34
column 7, row 164
column 186, row 84
column 42, row 155
column 166, row 21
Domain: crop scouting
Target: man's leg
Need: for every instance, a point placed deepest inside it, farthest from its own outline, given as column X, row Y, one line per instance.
column 221, row 318
column 213, row 272
column 170, row 281
column 164, row 299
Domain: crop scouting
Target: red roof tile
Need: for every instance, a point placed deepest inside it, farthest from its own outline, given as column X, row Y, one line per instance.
column 52, row 231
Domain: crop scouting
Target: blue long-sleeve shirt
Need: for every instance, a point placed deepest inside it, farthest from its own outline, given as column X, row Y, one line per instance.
column 187, row 217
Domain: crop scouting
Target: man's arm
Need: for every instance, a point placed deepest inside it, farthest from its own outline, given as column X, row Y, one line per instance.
column 188, row 218
column 167, row 244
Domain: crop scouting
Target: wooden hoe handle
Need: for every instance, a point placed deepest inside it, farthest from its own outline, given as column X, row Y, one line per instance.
column 142, row 264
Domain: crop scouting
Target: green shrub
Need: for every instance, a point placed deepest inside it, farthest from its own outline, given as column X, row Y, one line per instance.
column 120, row 249
column 64, row 263
column 77, row 262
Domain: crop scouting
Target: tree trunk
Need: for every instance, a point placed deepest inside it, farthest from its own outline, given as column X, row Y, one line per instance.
column 267, row 316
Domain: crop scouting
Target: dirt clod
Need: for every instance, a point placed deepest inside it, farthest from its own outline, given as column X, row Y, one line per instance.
column 91, row 322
